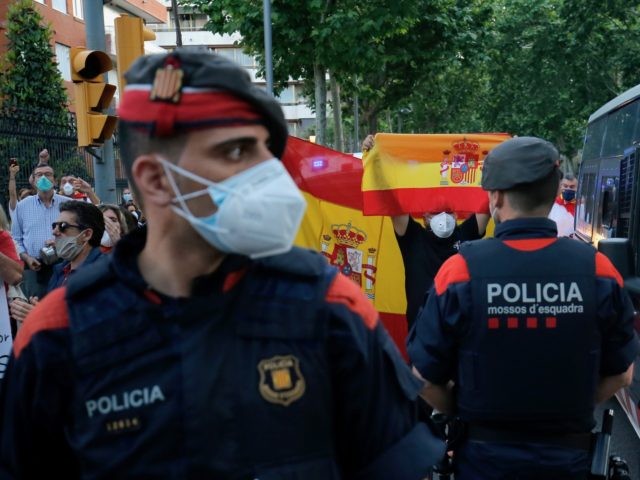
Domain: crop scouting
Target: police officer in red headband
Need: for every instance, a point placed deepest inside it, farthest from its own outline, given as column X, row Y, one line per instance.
column 206, row 346
column 519, row 350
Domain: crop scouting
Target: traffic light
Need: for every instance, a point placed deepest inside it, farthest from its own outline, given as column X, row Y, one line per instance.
column 92, row 96
column 130, row 37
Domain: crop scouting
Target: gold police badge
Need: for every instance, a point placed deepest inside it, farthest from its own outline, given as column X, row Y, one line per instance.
column 281, row 380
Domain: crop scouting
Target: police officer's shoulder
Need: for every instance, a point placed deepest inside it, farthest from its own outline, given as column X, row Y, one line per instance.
column 49, row 314
column 453, row 270
column 338, row 291
column 298, row 261
column 606, row 269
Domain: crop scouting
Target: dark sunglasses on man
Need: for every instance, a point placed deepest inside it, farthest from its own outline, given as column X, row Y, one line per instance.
column 62, row 226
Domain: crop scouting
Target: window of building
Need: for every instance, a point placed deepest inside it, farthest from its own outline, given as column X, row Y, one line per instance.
column 244, row 59
column 64, row 61
column 60, row 5
column 287, row 96
column 237, row 55
column 78, row 9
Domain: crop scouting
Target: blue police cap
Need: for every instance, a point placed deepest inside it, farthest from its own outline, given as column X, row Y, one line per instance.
column 518, row 161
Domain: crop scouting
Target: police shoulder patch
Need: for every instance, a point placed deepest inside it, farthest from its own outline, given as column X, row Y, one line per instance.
column 281, row 381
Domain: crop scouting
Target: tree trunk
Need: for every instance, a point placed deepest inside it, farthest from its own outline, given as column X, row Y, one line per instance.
column 370, row 119
column 337, row 114
column 320, row 80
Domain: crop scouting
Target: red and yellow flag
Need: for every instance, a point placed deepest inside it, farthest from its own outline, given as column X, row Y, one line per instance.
column 424, row 173
column 362, row 248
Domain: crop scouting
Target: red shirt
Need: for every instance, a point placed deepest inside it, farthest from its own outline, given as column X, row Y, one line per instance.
column 8, row 247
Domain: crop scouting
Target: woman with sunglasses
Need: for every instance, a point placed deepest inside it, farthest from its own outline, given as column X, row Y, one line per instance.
column 77, row 234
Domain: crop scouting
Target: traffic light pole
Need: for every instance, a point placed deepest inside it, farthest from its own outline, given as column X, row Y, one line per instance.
column 103, row 168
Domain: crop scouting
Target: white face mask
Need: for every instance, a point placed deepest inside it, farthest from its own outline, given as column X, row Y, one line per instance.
column 68, row 248
column 67, row 188
column 443, row 224
column 259, row 209
column 106, row 240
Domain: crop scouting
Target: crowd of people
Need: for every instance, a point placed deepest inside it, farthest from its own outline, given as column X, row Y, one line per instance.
column 55, row 228
column 205, row 345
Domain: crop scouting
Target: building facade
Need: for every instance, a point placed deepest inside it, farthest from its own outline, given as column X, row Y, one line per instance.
column 294, row 104
column 66, row 18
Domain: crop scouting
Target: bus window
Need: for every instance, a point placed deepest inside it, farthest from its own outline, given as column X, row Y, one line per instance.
column 607, row 220
column 585, row 204
column 593, row 139
column 620, row 129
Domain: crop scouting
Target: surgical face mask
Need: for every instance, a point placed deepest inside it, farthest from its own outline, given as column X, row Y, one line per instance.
column 127, row 197
column 67, row 189
column 568, row 195
column 68, row 248
column 44, row 184
column 443, row 224
column 259, row 209
column 106, row 240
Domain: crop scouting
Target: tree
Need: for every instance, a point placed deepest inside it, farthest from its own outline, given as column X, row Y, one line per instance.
column 552, row 63
column 30, row 78
column 386, row 44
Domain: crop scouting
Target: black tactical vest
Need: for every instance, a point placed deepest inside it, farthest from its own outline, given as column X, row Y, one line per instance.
column 235, row 390
column 532, row 351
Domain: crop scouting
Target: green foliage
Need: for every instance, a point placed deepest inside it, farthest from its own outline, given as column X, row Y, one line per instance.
column 526, row 67
column 386, row 45
column 30, row 78
column 556, row 61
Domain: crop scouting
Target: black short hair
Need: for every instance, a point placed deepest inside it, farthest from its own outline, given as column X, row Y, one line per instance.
column 134, row 142
column 87, row 215
column 534, row 196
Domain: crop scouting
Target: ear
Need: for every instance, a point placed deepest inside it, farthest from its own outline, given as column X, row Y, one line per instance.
column 496, row 198
column 88, row 232
column 151, row 180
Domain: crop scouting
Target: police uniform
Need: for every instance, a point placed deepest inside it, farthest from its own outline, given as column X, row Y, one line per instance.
column 524, row 341
column 275, row 368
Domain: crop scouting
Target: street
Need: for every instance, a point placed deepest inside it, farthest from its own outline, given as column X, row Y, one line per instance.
column 625, row 441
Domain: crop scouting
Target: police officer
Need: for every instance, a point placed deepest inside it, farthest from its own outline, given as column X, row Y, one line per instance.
column 517, row 348
column 205, row 346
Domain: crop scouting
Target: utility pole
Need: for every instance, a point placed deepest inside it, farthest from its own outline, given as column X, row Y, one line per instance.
column 176, row 20
column 268, row 55
column 356, row 120
column 104, row 170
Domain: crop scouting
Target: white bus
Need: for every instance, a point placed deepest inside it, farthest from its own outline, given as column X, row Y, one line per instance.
column 608, row 203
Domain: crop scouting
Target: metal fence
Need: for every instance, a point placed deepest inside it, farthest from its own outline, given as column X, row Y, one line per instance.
column 25, row 132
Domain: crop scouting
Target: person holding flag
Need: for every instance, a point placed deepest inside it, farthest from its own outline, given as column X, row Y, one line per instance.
column 425, row 248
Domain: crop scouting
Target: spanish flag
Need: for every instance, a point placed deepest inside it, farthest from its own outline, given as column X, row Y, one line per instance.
column 363, row 248
column 422, row 173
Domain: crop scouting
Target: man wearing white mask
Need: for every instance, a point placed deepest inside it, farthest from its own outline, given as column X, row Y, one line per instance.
column 424, row 249
column 205, row 346
column 78, row 189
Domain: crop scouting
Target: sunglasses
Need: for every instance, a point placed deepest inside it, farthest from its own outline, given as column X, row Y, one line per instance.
column 62, row 226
